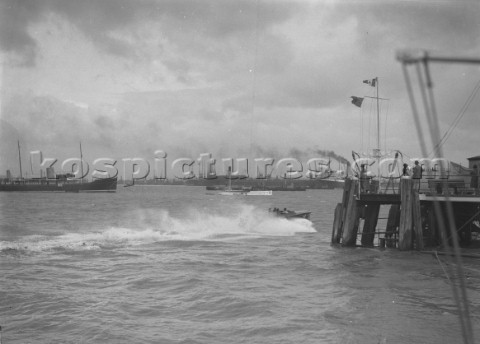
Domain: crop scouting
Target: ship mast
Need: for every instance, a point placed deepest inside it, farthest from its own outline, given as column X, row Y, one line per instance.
column 377, row 153
column 374, row 83
column 19, row 159
column 81, row 163
column 378, row 119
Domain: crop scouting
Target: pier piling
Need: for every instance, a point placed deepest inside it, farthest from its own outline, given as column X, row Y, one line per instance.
column 393, row 222
column 370, row 224
column 413, row 219
column 417, row 221
column 337, row 224
column 351, row 218
column 405, row 229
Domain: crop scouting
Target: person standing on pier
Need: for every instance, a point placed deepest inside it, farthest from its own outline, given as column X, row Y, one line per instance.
column 364, row 185
column 417, row 175
column 405, row 172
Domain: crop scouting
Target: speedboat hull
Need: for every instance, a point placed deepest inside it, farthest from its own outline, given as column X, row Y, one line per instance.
column 291, row 214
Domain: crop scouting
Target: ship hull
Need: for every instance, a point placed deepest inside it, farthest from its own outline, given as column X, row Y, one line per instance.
column 45, row 185
column 99, row 185
column 291, row 214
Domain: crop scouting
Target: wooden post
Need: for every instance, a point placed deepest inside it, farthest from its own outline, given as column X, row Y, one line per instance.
column 439, row 212
column 417, row 221
column 405, row 228
column 347, row 189
column 371, row 219
column 431, row 235
column 392, row 225
column 337, row 222
column 350, row 224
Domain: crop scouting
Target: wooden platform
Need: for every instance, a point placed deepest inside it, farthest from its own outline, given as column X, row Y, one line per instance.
column 441, row 198
column 414, row 219
column 379, row 198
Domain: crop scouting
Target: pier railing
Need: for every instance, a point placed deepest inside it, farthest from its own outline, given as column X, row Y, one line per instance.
column 457, row 185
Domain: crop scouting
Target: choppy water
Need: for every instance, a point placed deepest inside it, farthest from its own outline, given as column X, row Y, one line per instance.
column 181, row 265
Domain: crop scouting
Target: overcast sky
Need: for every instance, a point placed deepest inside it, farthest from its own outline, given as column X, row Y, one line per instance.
column 232, row 78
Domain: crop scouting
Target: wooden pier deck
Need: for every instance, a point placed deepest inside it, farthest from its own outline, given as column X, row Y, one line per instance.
column 412, row 221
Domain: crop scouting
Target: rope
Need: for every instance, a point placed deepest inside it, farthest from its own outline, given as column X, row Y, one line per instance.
column 428, row 114
column 463, row 302
column 460, row 297
column 414, row 108
column 362, row 129
column 460, row 115
column 254, row 82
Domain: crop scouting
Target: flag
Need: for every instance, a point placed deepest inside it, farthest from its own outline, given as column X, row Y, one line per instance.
column 372, row 82
column 357, row 101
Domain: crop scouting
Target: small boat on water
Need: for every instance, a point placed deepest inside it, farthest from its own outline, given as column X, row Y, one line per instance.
column 290, row 214
column 271, row 187
column 245, row 191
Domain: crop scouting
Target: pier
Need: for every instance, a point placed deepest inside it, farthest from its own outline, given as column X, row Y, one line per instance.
column 408, row 217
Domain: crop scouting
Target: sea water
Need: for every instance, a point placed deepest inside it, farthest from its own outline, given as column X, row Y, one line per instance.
column 177, row 264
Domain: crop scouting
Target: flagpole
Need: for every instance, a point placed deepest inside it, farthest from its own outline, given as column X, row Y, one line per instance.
column 378, row 118
column 378, row 136
column 357, row 101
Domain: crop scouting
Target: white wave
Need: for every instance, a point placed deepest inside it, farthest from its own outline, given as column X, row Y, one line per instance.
column 156, row 226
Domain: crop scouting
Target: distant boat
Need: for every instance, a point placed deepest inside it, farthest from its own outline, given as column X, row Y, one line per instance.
column 246, row 191
column 259, row 193
column 55, row 182
column 288, row 188
column 290, row 214
column 58, row 184
column 97, row 185
column 270, row 187
column 214, row 187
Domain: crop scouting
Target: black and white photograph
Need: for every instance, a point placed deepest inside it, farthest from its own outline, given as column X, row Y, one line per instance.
column 239, row 171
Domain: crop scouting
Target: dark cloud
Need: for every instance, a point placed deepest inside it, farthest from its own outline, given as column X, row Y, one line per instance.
column 55, row 127
column 99, row 20
column 220, row 18
column 378, row 30
column 415, row 22
column 291, row 66
column 96, row 19
column 15, row 17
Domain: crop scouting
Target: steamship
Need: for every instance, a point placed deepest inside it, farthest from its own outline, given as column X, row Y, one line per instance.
column 52, row 182
column 57, row 183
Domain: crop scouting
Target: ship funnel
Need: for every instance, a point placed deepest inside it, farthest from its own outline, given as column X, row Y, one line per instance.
column 50, row 173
